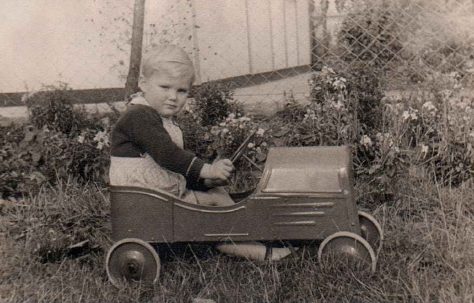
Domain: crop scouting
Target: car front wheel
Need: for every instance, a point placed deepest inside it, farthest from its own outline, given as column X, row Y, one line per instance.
column 347, row 249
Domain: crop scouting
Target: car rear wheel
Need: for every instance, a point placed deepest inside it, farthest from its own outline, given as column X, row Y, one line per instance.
column 371, row 230
column 347, row 249
column 132, row 261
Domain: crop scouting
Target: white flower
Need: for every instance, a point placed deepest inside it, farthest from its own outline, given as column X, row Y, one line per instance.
column 446, row 93
column 26, row 96
column 339, row 83
column 428, row 106
column 215, row 130
column 81, row 139
column 424, row 149
column 102, row 138
column 225, row 131
column 379, row 137
column 260, row 132
column 188, row 108
column 338, row 105
column 366, row 141
column 251, row 145
column 410, row 114
column 231, row 116
column 405, row 115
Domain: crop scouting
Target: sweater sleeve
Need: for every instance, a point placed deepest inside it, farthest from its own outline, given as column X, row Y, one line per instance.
column 147, row 132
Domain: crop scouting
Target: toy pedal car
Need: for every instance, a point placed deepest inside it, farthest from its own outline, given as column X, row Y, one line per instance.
column 305, row 195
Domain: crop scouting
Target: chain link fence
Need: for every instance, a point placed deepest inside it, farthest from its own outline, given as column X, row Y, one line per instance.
column 267, row 49
column 409, row 41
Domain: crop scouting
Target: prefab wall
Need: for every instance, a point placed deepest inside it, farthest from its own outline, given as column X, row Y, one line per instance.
column 86, row 43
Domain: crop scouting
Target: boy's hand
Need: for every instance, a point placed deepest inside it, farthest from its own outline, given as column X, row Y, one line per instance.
column 220, row 169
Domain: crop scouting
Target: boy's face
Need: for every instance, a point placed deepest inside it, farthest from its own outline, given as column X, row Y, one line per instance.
column 166, row 92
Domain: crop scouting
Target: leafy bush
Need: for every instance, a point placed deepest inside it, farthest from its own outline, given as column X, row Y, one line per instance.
column 214, row 102
column 365, row 90
column 223, row 139
column 371, row 34
column 327, row 120
column 431, row 132
column 61, row 142
column 46, row 156
column 345, row 109
column 439, row 42
column 53, row 108
column 439, row 129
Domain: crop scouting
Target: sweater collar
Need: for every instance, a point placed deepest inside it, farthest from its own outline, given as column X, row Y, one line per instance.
column 139, row 98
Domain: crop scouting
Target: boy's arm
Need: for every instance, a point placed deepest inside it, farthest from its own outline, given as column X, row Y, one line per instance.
column 147, row 132
column 205, row 184
column 197, row 185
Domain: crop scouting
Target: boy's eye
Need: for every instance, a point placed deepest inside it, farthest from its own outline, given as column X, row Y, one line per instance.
column 182, row 91
column 164, row 86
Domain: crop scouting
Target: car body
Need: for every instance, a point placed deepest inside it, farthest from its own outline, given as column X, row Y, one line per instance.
column 305, row 195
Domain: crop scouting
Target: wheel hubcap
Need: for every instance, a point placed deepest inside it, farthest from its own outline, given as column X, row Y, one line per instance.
column 132, row 265
column 132, row 260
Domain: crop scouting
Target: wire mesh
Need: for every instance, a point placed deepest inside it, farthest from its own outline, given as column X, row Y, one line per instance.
column 409, row 41
column 406, row 43
column 265, row 49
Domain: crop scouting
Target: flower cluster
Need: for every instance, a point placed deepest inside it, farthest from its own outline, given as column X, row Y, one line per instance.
column 438, row 127
column 229, row 134
column 410, row 115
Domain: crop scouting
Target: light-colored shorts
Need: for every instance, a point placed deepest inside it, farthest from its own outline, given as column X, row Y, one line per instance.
column 145, row 172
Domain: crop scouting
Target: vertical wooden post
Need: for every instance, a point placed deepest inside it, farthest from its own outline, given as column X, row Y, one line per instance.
column 133, row 76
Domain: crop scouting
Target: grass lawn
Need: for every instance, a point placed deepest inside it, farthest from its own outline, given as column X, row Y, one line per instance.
column 427, row 256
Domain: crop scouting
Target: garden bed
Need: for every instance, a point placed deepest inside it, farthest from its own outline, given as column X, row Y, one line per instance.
column 413, row 163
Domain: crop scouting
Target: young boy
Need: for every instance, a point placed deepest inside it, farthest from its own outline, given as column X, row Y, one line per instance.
column 147, row 146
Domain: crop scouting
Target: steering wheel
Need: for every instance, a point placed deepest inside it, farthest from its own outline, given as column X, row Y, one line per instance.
column 242, row 148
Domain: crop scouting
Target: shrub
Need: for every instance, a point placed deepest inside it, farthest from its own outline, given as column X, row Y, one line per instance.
column 223, row 139
column 53, row 108
column 46, row 156
column 345, row 109
column 440, row 41
column 12, row 167
column 214, row 102
column 214, row 126
column 439, row 128
column 61, row 142
column 196, row 137
column 371, row 34
column 365, row 90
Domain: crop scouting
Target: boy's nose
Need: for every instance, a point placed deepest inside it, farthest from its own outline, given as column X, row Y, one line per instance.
column 172, row 93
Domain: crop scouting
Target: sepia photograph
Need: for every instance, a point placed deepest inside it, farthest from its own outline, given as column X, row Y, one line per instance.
column 210, row 151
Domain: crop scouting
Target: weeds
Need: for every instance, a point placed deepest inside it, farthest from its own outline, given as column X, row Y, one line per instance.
column 426, row 256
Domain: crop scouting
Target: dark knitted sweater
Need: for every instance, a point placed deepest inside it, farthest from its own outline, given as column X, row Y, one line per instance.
column 140, row 130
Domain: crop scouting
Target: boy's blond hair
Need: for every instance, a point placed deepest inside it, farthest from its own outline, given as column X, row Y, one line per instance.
column 170, row 58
